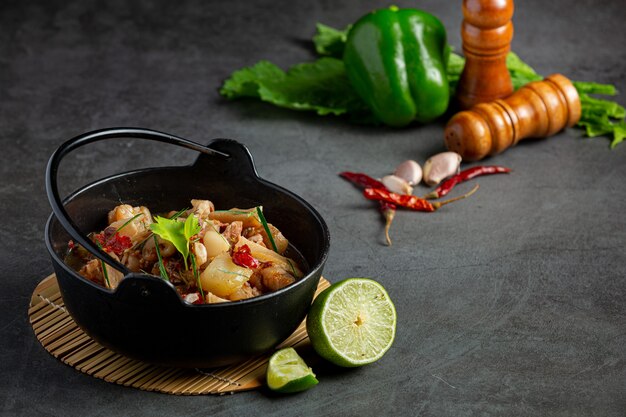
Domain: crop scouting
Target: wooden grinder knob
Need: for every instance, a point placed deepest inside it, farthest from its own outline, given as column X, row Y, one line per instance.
column 539, row 109
column 486, row 32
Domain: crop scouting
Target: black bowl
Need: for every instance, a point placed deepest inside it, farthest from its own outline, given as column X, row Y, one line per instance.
column 145, row 318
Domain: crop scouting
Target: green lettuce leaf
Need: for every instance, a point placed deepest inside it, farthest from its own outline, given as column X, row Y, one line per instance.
column 329, row 41
column 521, row 73
column 601, row 117
column 594, row 88
column 454, row 68
column 619, row 133
column 321, row 86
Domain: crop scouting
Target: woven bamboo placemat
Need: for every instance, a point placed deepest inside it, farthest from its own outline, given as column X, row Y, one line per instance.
column 63, row 339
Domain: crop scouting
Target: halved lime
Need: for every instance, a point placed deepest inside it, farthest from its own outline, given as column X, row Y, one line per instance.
column 287, row 372
column 352, row 323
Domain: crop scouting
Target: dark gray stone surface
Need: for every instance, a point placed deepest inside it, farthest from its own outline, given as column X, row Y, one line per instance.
column 509, row 303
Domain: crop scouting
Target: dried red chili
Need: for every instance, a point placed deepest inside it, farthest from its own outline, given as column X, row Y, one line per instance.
column 242, row 257
column 404, row 200
column 409, row 201
column 463, row 176
column 387, row 209
column 111, row 241
column 364, row 180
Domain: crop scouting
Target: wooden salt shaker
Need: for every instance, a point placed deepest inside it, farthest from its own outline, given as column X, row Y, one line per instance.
column 486, row 32
column 539, row 109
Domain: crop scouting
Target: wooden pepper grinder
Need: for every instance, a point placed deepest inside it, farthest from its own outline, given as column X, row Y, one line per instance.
column 539, row 109
column 486, row 32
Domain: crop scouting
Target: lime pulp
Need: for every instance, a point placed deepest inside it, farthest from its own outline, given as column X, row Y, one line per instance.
column 288, row 373
column 352, row 323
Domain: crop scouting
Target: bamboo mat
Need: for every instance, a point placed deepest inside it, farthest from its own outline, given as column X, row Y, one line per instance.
column 63, row 339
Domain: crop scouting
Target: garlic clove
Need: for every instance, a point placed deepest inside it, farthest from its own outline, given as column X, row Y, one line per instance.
column 441, row 166
column 396, row 184
column 410, row 171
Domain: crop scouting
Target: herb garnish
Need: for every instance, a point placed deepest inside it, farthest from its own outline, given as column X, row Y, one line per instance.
column 128, row 222
column 162, row 269
column 225, row 271
column 178, row 214
column 178, row 233
column 196, row 275
column 174, row 216
column 103, row 266
column 259, row 211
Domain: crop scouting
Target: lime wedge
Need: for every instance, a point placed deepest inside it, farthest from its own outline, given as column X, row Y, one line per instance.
column 352, row 323
column 287, row 372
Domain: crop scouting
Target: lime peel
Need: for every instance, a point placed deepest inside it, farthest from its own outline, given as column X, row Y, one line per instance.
column 352, row 323
column 288, row 373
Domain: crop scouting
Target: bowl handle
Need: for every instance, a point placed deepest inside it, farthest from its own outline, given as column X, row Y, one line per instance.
column 94, row 136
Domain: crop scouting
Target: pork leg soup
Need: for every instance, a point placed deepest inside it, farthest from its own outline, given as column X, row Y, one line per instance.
column 210, row 256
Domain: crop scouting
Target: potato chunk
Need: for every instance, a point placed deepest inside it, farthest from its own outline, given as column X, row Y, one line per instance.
column 223, row 277
column 215, row 243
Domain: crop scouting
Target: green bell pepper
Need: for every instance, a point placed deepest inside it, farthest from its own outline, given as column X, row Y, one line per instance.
column 395, row 60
